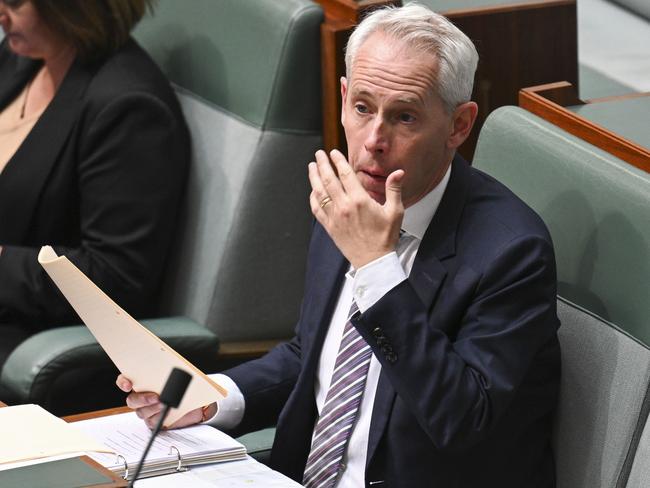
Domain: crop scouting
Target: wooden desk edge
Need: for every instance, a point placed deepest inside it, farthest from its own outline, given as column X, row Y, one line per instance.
column 535, row 101
column 509, row 7
column 96, row 414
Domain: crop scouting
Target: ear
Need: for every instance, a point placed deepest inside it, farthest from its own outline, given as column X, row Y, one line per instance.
column 344, row 91
column 463, row 120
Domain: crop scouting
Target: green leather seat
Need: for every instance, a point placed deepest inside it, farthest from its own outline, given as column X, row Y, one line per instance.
column 247, row 73
column 597, row 209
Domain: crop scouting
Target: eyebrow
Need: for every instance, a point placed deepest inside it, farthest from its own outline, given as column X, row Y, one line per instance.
column 405, row 100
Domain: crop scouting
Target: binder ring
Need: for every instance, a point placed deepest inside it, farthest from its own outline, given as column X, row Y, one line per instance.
column 126, row 466
column 179, row 468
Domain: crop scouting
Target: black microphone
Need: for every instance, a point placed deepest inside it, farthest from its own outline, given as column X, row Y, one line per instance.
column 170, row 397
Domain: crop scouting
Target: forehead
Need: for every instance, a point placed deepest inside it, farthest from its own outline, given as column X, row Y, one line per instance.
column 388, row 65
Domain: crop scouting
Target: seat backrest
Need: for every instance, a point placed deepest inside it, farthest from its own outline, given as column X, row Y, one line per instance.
column 247, row 73
column 640, row 472
column 603, row 400
column 597, row 209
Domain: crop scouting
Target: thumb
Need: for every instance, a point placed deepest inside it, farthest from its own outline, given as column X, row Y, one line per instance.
column 394, row 188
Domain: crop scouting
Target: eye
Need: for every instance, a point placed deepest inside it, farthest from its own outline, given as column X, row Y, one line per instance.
column 406, row 117
column 361, row 108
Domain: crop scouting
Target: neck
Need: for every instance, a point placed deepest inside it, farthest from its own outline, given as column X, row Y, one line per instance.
column 56, row 66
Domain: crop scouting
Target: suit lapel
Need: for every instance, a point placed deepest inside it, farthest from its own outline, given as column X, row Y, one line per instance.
column 33, row 162
column 426, row 278
column 330, row 272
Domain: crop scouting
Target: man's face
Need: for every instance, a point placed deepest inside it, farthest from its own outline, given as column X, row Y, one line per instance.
column 393, row 119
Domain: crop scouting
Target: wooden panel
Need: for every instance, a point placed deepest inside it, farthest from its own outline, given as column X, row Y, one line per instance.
column 519, row 44
column 340, row 18
column 334, row 37
column 349, row 10
column 246, row 349
column 535, row 100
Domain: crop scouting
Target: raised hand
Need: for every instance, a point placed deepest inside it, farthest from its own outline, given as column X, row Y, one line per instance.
column 361, row 228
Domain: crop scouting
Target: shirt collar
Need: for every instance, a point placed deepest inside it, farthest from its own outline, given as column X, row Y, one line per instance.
column 418, row 216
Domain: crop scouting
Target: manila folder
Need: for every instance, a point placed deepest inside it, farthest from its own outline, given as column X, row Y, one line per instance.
column 138, row 354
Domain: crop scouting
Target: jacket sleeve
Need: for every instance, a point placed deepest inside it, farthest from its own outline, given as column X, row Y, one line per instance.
column 131, row 167
column 459, row 383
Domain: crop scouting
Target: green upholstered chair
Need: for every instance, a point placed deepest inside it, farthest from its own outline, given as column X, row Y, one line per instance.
column 597, row 209
column 247, row 73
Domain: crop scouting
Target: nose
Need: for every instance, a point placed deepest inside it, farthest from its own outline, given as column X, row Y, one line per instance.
column 377, row 138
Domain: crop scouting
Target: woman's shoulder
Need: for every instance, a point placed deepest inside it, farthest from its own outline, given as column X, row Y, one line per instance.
column 128, row 72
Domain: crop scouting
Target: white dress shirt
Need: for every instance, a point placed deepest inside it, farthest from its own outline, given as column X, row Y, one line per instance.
column 366, row 286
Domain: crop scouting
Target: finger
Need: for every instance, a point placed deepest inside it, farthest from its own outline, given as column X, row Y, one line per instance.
column 152, row 421
column 318, row 210
column 139, row 400
column 123, row 383
column 394, row 190
column 331, row 182
column 346, row 174
column 318, row 199
column 192, row 417
column 316, row 182
column 148, row 412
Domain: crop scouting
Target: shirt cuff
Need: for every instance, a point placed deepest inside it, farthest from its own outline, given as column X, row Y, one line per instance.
column 230, row 410
column 375, row 279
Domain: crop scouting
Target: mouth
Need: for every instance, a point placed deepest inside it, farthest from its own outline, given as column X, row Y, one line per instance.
column 376, row 176
column 374, row 182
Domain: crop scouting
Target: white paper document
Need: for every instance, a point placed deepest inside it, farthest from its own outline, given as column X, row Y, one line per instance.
column 28, row 432
column 138, row 354
column 127, row 436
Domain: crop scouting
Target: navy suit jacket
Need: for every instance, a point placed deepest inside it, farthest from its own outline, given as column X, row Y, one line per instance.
column 470, row 356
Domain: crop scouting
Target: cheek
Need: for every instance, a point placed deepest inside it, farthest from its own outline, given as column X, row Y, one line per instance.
column 354, row 136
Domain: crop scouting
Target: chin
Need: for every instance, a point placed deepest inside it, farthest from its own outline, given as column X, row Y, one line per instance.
column 17, row 47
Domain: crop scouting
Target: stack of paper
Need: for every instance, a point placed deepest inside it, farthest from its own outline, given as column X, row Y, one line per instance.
column 173, row 450
column 29, row 433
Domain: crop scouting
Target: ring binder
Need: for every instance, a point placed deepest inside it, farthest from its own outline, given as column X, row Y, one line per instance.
column 179, row 468
column 174, row 451
column 126, row 466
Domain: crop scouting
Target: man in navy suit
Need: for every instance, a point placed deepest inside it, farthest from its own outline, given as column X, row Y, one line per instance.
column 449, row 279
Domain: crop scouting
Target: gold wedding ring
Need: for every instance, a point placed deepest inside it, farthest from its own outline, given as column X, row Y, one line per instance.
column 325, row 201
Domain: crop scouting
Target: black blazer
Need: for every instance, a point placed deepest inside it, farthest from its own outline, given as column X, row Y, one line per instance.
column 99, row 177
column 471, row 367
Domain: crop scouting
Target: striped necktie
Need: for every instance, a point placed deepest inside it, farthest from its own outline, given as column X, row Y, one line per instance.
column 339, row 412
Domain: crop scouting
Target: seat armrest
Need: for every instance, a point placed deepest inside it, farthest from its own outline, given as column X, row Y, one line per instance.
column 44, row 360
column 258, row 444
